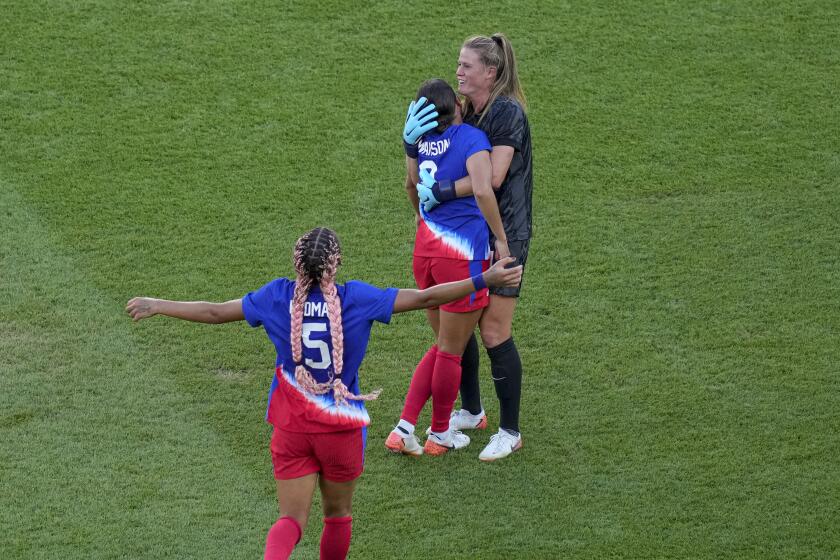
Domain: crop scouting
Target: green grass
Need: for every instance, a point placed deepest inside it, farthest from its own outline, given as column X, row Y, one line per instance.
column 680, row 326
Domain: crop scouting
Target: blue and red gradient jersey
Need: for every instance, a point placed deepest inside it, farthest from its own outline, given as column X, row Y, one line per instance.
column 455, row 229
column 289, row 407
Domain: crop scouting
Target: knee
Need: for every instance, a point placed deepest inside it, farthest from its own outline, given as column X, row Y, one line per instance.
column 494, row 334
column 452, row 343
column 301, row 517
column 299, row 513
column 451, row 347
column 337, row 510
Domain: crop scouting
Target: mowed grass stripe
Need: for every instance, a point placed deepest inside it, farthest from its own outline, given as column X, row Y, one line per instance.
column 102, row 455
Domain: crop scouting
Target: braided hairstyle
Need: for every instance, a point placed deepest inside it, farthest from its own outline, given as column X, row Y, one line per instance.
column 317, row 256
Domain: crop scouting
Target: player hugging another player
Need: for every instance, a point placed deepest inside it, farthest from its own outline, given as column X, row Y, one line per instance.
column 451, row 243
column 492, row 101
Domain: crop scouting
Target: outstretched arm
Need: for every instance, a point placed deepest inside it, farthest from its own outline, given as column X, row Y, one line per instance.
column 197, row 311
column 496, row 275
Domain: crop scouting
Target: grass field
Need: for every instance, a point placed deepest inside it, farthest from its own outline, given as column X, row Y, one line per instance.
column 680, row 325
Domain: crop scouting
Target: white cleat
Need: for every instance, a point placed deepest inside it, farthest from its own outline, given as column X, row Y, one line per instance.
column 451, row 440
column 501, row 445
column 463, row 420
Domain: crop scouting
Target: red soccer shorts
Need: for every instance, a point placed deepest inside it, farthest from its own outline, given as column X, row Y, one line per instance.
column 430, row 271
column 338, row 456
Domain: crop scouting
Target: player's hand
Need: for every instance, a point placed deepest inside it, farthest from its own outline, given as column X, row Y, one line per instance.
column 141, row 307
column 419, row 120
column 501, row 277
column 502, row 249
column 425, row 191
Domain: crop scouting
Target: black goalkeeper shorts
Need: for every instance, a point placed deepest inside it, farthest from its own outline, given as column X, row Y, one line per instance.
column 518, row 249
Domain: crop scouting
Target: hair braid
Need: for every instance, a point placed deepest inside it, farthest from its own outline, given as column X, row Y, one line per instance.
column 317, row 256
column 330, row 293
column 302, row 286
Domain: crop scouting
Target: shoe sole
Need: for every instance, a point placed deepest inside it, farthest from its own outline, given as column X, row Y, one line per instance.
column 436, row 449
column 516, row 448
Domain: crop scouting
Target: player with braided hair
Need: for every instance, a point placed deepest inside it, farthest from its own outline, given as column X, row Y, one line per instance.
column 320, row 331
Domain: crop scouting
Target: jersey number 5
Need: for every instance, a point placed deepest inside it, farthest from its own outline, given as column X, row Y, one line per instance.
column 319, row 345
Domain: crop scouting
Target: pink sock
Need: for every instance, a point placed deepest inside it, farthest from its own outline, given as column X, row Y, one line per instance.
column 282, row 539
column 446, row 379
column 335, row 540
column 420, row 388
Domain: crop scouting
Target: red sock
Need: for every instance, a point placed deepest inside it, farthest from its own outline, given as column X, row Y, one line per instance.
column 282, row 539
column 420, row 388
column 446, row 379
column 335, row 540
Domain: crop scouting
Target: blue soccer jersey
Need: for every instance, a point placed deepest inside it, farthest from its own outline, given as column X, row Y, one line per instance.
column 455, row 229
column 289, row 407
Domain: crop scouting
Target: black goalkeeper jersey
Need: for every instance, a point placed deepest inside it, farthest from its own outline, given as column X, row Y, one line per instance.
column 505, row 124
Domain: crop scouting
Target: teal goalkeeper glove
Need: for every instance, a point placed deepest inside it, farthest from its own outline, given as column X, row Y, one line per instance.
column 419, row 120
column 431, row 192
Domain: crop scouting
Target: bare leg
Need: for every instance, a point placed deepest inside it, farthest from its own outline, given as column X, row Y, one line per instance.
column 433, row 315
column 337, row 497
column 455, row 330
column 496, row 323
column 294, row 497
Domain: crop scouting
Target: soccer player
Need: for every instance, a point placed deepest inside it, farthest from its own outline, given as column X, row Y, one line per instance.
column 492, row 101
column 451, row 243
column 320, row 330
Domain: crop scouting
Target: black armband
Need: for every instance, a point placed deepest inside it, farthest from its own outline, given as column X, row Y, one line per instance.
column 444, row 190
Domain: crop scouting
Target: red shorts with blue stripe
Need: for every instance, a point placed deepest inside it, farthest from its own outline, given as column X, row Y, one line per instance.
column 337, row 456
column 431, row 271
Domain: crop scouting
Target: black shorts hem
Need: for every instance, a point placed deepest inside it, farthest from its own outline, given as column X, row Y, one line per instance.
column 518, row 249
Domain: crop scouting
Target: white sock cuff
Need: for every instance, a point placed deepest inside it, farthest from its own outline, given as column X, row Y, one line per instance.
column 442, row 436
column 406, row 426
